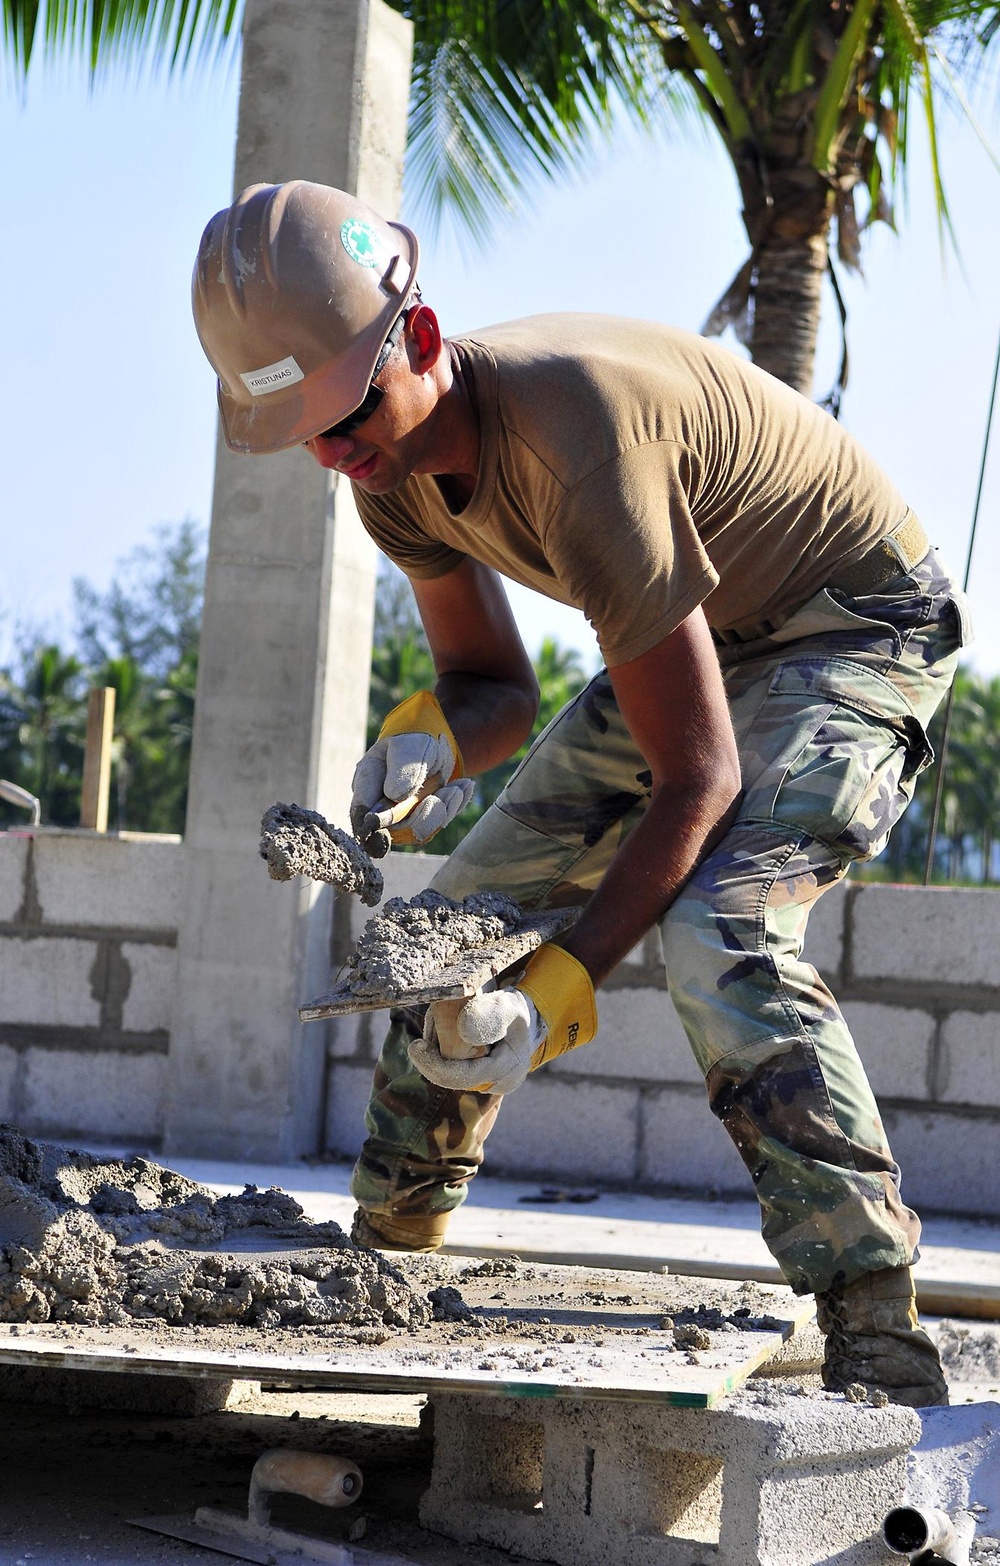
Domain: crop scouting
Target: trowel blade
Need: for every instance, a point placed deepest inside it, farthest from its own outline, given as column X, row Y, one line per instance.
column 183, row 1527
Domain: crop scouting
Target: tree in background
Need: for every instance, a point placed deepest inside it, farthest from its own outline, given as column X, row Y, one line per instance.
column 141, row 637
column 43, row 749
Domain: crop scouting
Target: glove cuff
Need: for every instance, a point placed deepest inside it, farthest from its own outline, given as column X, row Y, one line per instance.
column 422, row 714
column 563, row 994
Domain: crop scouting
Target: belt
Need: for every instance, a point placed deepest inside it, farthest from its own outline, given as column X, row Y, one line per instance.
column 890, row 557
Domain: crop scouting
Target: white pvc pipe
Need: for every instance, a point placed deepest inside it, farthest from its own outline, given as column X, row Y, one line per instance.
column 921, row 1530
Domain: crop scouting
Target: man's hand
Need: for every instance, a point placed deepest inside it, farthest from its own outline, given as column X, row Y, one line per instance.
column 552, row 1009
column 504, row 1020
column 415, row 754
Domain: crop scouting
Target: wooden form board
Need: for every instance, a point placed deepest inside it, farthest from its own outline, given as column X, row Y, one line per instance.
column 619, row 1350
column 470, row 974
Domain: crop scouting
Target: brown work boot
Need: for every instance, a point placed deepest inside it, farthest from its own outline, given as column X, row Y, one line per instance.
column 873, row 1338
column 419, row 1234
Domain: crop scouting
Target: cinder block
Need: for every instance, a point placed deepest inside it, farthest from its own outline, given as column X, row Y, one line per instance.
column 116, row 881
column 13, row 862
column 894, row 1043
column 573, row 1129
column 151, row 991
column 8, row 1082
column 824, row 945
column 970, row 1058
column 948, row 1160
column 47, row 980
column 766, row 1479
column 358, row 1036
column 349, row 1089
column 681, row 1143
column 91, row 1093
column 640, row 1038
column 933, row 934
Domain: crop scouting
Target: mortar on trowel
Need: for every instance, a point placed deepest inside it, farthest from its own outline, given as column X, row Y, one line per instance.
column 295, row 841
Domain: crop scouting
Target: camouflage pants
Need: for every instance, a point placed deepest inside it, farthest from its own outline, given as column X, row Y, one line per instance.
column 830, row 714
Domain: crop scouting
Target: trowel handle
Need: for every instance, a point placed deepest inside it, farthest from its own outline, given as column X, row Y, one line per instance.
column 390, row 812
column 450, row 1041
column 319, row 1476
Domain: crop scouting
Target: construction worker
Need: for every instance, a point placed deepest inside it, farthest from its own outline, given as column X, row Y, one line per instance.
column 777, row 634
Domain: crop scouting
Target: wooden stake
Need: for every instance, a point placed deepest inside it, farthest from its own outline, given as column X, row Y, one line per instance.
column 97, row 758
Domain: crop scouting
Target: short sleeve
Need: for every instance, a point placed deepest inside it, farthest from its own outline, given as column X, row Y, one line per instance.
column 624, row 544
column 401, row 538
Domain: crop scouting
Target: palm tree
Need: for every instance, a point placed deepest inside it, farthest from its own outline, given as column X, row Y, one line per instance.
column 812, row 100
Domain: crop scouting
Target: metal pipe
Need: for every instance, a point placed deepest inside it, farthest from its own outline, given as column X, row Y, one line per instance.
column 14, row 794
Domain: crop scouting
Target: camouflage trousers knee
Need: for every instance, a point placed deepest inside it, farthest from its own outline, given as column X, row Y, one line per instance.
column 830, row 713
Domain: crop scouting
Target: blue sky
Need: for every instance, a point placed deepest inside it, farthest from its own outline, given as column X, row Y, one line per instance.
column 107, row 405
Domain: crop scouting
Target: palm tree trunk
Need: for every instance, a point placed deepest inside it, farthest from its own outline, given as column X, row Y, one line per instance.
column 787, row 304
column 787, row 209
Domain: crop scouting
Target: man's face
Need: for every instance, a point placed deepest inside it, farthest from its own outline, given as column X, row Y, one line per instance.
column 390, row 445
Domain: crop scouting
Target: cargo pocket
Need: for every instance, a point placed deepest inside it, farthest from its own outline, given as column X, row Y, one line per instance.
column 851, row 753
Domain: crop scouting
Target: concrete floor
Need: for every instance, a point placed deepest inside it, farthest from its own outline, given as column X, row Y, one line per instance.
column 73, row 1477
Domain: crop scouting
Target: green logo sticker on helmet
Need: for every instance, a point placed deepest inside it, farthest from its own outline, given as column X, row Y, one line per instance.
column 360, row 241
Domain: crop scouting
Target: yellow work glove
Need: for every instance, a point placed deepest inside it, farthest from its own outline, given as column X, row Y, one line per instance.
column 551, row 1009
column 409, row 784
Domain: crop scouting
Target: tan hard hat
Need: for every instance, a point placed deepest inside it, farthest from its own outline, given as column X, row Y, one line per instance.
column 295, row 289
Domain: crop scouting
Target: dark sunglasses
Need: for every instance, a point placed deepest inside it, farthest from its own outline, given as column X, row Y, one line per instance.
column 373, row 396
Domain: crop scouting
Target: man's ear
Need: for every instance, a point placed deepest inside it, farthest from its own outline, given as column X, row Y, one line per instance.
column 426, row 342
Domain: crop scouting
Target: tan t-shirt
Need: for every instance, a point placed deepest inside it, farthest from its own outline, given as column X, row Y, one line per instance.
column 636, row 471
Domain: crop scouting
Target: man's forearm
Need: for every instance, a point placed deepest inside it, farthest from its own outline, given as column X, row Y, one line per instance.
column 489, row 718
column 648, row 872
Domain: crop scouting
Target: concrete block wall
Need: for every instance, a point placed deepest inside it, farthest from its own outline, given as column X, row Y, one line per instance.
column 88, row 930
column 916, row 974
column 88, row 934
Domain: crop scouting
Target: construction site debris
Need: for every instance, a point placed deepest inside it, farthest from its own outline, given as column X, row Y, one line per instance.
column 407, row 943
column 297, row 841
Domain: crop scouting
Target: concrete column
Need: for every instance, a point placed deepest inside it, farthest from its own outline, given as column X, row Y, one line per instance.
column 286, row 639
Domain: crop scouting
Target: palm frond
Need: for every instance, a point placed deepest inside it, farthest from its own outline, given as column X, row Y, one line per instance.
column 171, row 33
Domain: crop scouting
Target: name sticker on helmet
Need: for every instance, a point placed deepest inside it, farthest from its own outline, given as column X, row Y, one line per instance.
column 272, row 377
column 360, row 241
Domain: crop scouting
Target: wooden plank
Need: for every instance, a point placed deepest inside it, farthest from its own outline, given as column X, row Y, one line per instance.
column 474, row 971
column 96, row 791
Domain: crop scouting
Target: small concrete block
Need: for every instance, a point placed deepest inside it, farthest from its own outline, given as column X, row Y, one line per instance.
column 639, row 1038
column 824, row 944
column 970, row 1058
column 571, row 1129
column 47, row 981
column 151, row 991
column 92, row 1093
column 682, row 1144
column 894, row 1043
column 764, row 1478
column 13, row 862
column 948, row 1160
column 8, row 1081
column 348, row 1093
column 933, row 934
column 89, row 879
